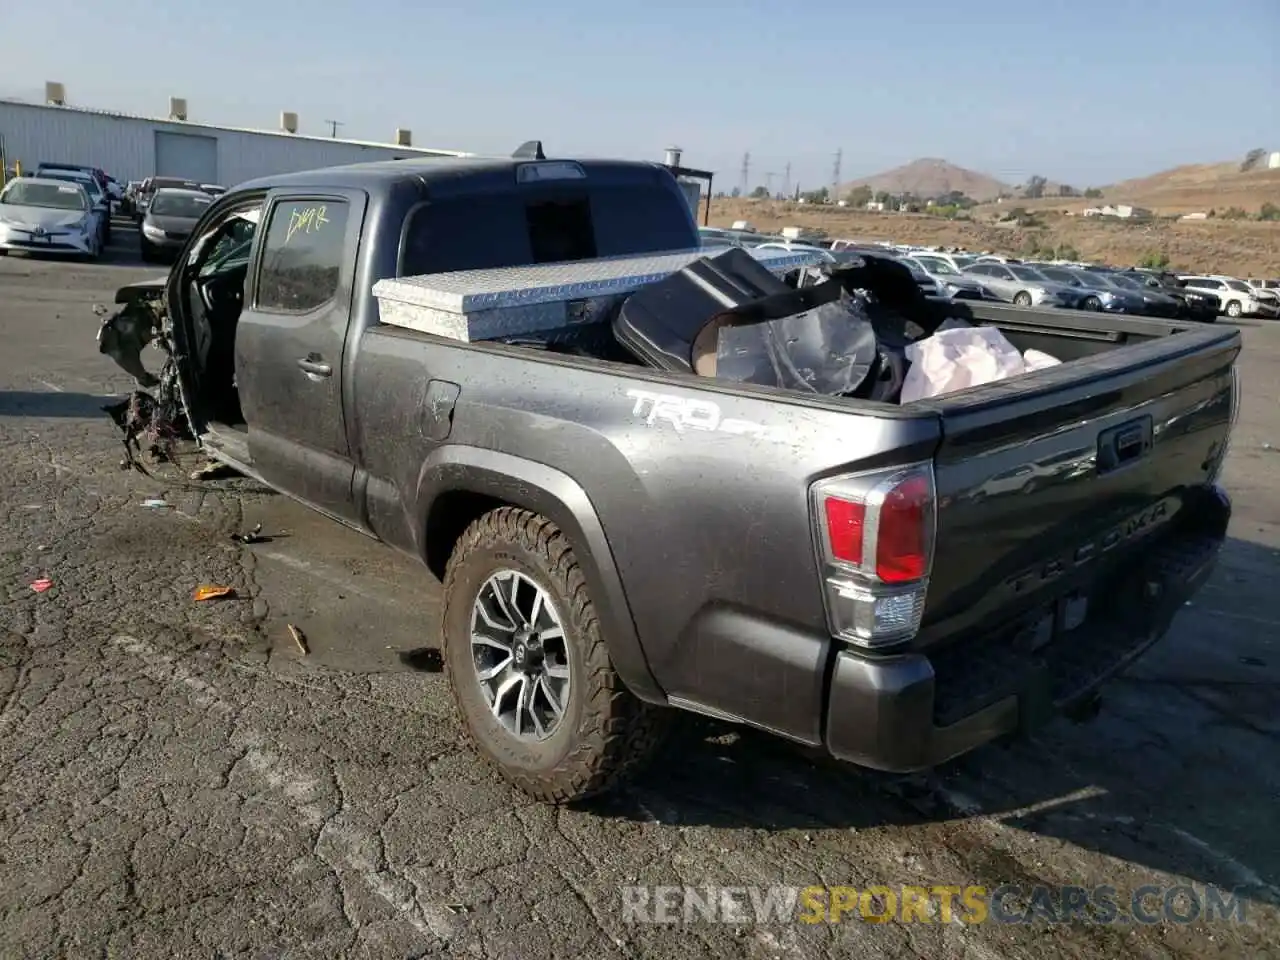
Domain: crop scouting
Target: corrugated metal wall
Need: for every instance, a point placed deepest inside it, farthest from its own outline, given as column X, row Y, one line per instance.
column 125, row 147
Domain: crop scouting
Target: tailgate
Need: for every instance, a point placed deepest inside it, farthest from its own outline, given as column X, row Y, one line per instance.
column 1048, row 482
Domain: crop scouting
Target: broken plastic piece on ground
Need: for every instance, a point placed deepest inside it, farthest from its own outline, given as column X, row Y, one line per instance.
column 299, row 638
column 959, row 358
column 212, row 471
column 253, row 536
column 153, row 502
column 213, row 592
column 41, row 585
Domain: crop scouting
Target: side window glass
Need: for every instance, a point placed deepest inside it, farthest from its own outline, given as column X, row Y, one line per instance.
column 303, row 254
column 230, row 239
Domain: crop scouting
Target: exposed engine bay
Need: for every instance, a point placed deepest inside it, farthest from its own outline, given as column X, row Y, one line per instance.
column 150, row 421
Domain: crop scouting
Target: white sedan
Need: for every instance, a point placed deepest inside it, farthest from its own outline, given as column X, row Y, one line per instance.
column 48, row 216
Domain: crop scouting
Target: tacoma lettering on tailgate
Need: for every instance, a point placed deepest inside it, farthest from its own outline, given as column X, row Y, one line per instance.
column 1136, row 526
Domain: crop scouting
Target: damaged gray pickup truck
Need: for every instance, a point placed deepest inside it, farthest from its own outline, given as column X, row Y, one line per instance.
column 433, row 353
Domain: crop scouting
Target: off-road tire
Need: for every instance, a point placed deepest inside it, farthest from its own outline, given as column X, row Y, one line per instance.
column 607, row 732
column 1022, row 298
column 1233, row 309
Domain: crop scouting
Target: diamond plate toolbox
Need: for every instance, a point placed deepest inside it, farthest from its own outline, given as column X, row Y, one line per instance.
column 518, row 301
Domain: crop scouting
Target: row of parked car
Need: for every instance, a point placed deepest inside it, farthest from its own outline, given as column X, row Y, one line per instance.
column 64, row 208
column 60, row 208
column 1070, row 286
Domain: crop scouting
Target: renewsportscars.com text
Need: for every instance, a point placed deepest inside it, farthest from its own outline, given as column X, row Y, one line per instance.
column 1148, row 904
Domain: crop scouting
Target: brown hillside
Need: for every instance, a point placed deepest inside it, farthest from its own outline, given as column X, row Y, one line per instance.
column 930, row 177
column 1188, row 189
column 1239, row 248
column 1200, row 187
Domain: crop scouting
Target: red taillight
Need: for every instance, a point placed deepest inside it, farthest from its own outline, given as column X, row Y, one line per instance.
column 896, row 509
column 844, row 529
column 902, row 537
column 874, row 595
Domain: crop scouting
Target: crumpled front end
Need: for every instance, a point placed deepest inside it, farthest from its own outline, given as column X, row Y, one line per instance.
column 152, row 417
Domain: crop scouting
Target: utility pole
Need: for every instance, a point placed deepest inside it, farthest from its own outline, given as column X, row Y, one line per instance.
column 786, row 181
column 745, row 186
column 333, row 127
column 768, row 183
column 835, row 177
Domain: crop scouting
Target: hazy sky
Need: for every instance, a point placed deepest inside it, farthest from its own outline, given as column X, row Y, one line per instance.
column 1086, row 92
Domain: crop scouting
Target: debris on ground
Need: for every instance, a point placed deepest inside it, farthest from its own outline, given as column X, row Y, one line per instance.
column 253, row 536
column 213, row 592
column 41, row 585
column 213, row 470
column 152, row 502
column 299, row 638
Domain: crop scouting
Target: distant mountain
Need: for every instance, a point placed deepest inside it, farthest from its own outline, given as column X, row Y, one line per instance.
column 930, row 177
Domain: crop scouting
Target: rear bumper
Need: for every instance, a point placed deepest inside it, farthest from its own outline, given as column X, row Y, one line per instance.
column 916, row 711
column 919, row 709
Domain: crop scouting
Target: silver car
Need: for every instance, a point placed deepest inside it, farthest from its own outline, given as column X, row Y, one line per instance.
column 47, row 215
column 949, row 281
column 1023, row 286
column 169, row 220
column 98, row 200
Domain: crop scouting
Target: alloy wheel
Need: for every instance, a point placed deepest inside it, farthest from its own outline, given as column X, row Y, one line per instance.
column 520, row 655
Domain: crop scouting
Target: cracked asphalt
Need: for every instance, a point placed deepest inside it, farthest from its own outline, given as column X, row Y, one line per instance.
column 177, row 780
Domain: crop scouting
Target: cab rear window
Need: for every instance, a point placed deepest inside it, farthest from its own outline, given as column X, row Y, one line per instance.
column 544, row 226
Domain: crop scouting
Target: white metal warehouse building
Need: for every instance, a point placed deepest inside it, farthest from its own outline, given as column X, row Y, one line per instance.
column 133, row 148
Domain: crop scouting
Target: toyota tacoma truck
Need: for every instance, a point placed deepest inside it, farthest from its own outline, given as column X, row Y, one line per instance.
column 893, row 583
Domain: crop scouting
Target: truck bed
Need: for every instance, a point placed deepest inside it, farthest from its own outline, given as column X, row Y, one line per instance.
column 689, row 475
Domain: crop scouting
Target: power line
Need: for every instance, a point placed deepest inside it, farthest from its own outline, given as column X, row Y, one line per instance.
column 744, row 185
column 835, row 176
column 786, row 182
column 333, row 127
column 768, row 182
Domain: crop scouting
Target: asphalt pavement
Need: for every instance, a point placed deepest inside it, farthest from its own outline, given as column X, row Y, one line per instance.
column 178, row 779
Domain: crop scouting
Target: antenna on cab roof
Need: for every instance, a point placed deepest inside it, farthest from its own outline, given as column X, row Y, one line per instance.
column 529, row 150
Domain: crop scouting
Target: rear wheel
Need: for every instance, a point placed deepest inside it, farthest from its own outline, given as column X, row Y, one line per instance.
column 1233, row 309
column 529, row 671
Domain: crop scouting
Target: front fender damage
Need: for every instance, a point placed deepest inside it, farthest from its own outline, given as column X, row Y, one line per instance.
column 153, row 415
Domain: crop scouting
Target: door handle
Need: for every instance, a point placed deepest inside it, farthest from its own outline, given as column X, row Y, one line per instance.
column 314, row 368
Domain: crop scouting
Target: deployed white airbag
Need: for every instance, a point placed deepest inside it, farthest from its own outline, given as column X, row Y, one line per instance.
column 958, row 357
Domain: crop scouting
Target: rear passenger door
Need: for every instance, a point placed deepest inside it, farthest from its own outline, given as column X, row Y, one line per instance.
column 291, row 341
